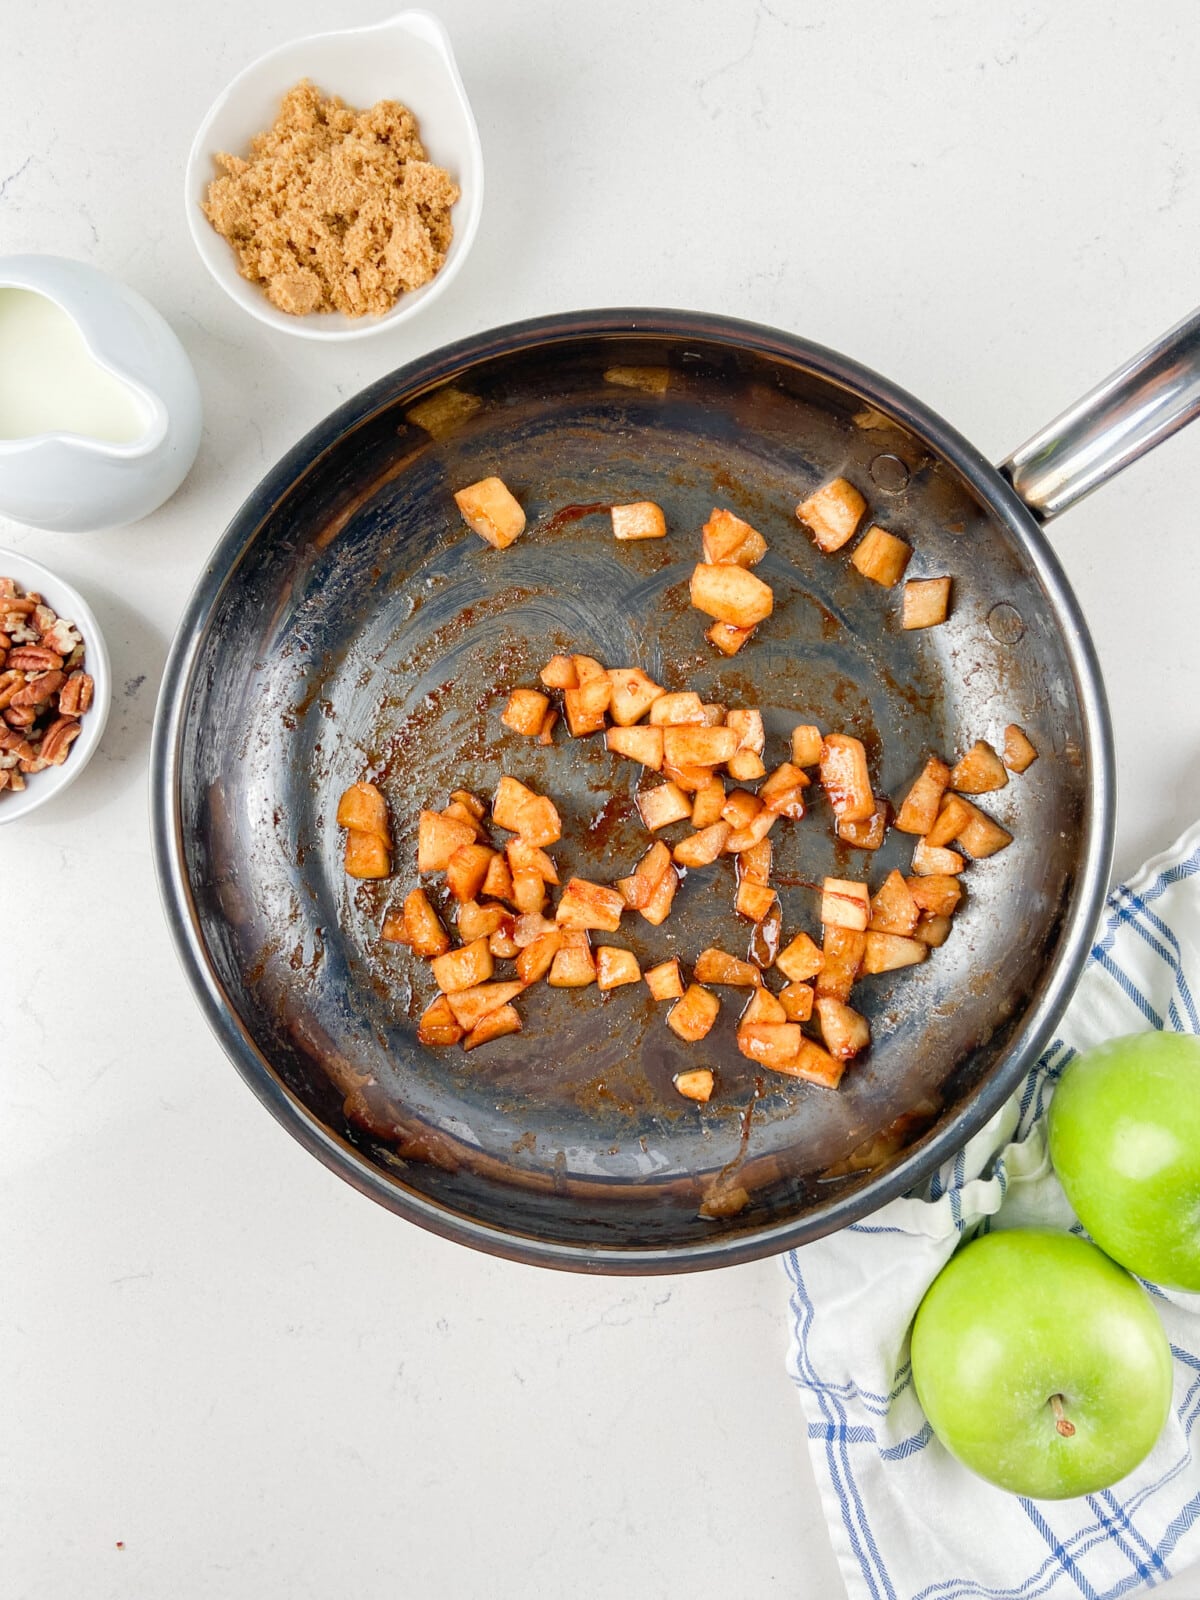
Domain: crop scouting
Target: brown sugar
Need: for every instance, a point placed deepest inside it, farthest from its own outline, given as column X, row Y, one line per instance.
column 335, row 209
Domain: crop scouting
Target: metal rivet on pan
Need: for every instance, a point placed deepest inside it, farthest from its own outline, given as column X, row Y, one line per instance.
column 890, row 473
column 1006, row 623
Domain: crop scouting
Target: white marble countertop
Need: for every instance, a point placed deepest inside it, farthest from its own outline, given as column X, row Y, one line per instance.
column 225, row 1374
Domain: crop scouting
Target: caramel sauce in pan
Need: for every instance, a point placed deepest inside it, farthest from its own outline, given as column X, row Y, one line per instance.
column 568, row 514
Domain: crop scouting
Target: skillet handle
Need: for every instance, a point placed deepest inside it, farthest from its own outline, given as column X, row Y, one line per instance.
column 1140, row 405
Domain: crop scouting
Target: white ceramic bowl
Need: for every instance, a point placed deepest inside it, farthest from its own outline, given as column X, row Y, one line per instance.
column 408, row 58
column 41, row 787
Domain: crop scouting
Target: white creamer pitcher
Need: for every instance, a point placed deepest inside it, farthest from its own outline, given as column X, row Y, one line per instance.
column 99, row 406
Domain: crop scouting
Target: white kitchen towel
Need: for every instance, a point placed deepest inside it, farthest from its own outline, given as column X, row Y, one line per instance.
column 907, row 1522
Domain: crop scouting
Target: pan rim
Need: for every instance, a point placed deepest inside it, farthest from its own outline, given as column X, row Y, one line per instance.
column 337, row 1153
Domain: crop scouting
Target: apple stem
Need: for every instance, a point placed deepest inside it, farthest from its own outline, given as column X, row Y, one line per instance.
column 1061, row 1421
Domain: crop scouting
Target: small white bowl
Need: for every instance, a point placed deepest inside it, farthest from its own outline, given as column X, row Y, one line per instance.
column 43, row 786
column 408, row 58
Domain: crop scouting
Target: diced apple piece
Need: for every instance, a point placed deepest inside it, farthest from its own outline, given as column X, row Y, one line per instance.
column 462, row 968
column 502, row 944
column 438, row 1025
column 727, row 538
column 366, row 856
column 797, row 1001
column 980, row 770
column 690, row 779
column 531, row 925
column 954, row 814
column 919, row 809
column 457, row 812
column 1019, row 752
column 800, row 960
column 572, row 968
column 471, row 802
column 526, row 857
column 588, row 669
column 529, row 890
column 525, row 712
column 754, row 864
column 845, row 904
column 754, row 900
column 881, row 557
column 751, row 550
column 868, row 835
column 784, row 791
column 929, row 859
column 589, row 905
column 534, row 960
column 364, row 810
column 832, row 514
column 771, row 1044
column 649, row 873
column 692, row 746
column 731, row 594
column 887, row 951
column 693, row 1016
column 702, row 849
column 746, row 767
column 640, row 520
column 695, row 1085
column 639, row 744
column 585, row 707
column 506, row 806
column 926, row 602
column 816, row 1065
column 842, row 951
column 615, row 967
column 845, row 1032
column 982, row 835
column 933, row 930
column 893, row 909
column 935, row 893
column 423, row 930
column 658, row 908
column 470, row 1006
column 494, row 1026
column 845, row 778
column 490, row 509
column 559, row 673
column 806, row 745
column 753, row 833
column 633, row 693
column 547, row 734
column 728, row 639
column 538, row 823
column 677, row 710
column 741, row 808
column 662, row 806
column 748, row 725
column 715, row 966
column 466, row 870
column 392, row 930
column 764, row 1007
column 708, row 804
column 498, row 884
column 665, row 981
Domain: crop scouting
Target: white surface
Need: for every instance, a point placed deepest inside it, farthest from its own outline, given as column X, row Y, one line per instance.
column 210, row 1348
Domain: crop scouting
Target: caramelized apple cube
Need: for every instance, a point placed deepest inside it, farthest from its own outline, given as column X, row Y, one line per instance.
column 982, row 835
column 926, row 602
column 741, row 808
column 506, row 806
column 1019, row 752
column 929, row 859
column 763, row 1008
column 702, row 849
column 797, row 1001
column 639, row 744
column 366, row 856
column 585, row 707
column 534, row 960
column 526, row 857
column 893, row 909
column 832, row 514
column 665, row 981
column 559, row 673
column 531, row 925
column 677, row 710
column 392, row 930
column 806, row 745
column 649, row 873
column 475, row 921
column 588, row 669
column 980, row 770
column 490, row 509
column 538, row 823
column 470, row 1006
column 708, row 804
column 954, row 814
column 771, row 1044
column 589, row 905
column 845, row 778
column 843, row 952
column 746, row 767
column 715, row 966
column 640, row 520
column 868, row 835
column 693, row 1016
column 845, row 904
column 438, row 1025
column 498, row 884
column 494, row 1026
column 529, row 890
column 732, row 594
column 800, row 960
column 572, row 968
column 728, row 639
column 471, row 802
column 724, row 537
column 423, row 931
column 615, row 967
column 887, row 951
column 783, row 791
column 502, row 944
column 845, row 1032
column 658, row 908
column 467, row 869
column 932, row 930
column 662, row 806
column 633, row 693
column 754, row 864
column 364, row 810
column 935, row 893
column 919, row 809
column 753, row 833
column 695, row 1085
column 754, row 900
column 816, row 1065
column 881, row 557
column 525, row 712
column 462, row 968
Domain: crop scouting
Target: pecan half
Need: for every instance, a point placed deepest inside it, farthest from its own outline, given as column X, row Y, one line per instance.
column 57, row 740
column 10, row 739
column 39, row 691
column 61, row 637
column 20, row 716
column 75, row 696
column 35, row 658
column 11, row 683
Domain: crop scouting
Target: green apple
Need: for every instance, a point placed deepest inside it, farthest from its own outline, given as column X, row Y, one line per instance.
column 1041, row 1364
column 1125, row 1141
